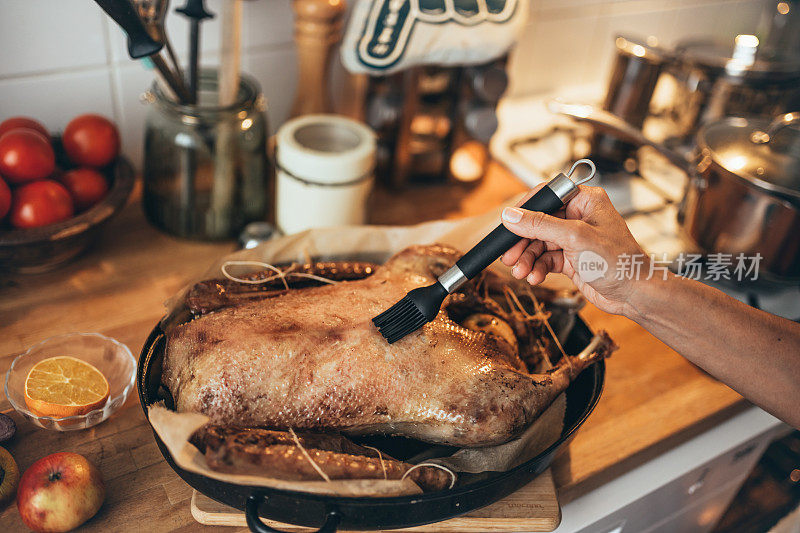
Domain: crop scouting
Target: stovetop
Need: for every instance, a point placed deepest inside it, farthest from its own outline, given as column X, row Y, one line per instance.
column 647, row 190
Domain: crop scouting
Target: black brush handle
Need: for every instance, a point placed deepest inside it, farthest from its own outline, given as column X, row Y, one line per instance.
column 500, row 239
column 140, row 43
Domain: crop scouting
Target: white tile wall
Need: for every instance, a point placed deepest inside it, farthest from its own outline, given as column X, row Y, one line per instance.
column 59, row 58
column 570, row 42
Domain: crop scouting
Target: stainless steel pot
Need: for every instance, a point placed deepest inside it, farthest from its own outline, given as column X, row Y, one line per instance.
column 637, row 68
column 719, row 80
column 743, row 194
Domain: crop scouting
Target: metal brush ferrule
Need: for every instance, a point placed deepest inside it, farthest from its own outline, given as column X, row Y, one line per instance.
column 452, row 279
column 563, row 187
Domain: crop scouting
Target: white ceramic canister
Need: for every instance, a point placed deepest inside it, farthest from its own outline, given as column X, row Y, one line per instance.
column 325, row 171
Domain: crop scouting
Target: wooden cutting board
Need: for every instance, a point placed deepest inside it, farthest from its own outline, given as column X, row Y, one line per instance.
column 532, row 508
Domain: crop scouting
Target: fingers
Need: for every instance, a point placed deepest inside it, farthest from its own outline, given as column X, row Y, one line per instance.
column 527, row 258
column 564, row 233
column 546, row 263
column 512, row 255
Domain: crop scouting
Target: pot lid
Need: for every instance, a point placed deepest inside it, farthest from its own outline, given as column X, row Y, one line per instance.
column 767, row 154
column 742, row 59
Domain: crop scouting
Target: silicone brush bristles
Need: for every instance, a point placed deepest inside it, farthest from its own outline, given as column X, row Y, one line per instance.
column 399, row 320
column 411, row 312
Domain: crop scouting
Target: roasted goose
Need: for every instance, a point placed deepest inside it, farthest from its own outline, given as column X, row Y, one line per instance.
column 311, row 360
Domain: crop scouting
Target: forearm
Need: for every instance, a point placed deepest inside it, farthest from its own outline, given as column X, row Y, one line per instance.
column 755, row 353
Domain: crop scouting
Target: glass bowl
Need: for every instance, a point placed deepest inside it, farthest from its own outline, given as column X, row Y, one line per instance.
column 109, row 356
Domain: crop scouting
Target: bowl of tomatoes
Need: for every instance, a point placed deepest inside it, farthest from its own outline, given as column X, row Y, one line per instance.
column 57, row 191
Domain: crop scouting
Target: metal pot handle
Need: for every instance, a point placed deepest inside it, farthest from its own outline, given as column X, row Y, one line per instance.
column 613, row 125
column 780, row 122
column 256, row 525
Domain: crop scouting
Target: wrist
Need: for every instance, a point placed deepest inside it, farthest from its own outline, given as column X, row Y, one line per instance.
column 647, row 296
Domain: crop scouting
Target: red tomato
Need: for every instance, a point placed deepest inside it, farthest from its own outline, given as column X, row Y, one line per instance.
column 22, row 122
column 25, row 155
column 86, row 186
column 5, row 199
column 40, row 203
column 91, row 140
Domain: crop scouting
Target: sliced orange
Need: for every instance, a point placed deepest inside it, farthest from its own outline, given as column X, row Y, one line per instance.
column 64, row 386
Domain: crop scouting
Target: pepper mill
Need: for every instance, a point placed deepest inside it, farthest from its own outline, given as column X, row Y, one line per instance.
column 317, row 28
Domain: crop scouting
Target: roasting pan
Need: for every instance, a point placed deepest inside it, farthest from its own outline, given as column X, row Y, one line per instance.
column 330, row 513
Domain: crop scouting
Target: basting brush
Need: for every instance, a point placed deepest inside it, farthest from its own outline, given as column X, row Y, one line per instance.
column 422, row 305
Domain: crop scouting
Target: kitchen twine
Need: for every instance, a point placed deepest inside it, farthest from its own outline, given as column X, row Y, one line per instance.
column 513, row 301
column 310, row 460
column 440, row 467
column 380, row 457
column 282, row 274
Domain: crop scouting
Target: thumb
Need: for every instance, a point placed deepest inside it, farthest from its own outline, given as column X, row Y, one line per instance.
column 567, row 234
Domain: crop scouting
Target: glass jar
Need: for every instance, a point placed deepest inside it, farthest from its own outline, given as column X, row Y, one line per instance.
column 206, row 172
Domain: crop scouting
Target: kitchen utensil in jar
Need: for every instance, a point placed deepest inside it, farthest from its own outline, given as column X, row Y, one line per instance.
column 325, row 168
column 154, row 14
column 172, row 130
column 228, row 83
column 743, row 195
column 196, row 12
column 140, row 43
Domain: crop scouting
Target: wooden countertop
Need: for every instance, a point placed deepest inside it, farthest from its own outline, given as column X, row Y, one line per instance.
column 653, row 398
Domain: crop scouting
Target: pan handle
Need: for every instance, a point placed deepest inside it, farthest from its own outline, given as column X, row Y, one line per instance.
column 256, row 525
column 613, row 125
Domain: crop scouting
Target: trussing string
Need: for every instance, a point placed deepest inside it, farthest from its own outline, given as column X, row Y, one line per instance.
column 540, row 313
column 380, row 457
column 513, row 302
column 440, row 467
column 282, row 274
column 539, row 309
column 310, row 460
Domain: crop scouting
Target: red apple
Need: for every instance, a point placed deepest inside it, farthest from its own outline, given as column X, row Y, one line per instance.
column 59, row 492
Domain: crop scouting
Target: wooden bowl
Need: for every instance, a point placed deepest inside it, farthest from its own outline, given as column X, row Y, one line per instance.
column 36, row 250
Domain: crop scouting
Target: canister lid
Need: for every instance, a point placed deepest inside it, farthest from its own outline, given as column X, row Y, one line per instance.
column 327, row 149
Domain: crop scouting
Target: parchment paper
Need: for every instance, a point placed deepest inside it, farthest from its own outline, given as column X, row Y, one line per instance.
column 368, row 243
column 175, row 430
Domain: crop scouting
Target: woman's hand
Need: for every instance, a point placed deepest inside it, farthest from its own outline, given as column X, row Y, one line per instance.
column 577, row 242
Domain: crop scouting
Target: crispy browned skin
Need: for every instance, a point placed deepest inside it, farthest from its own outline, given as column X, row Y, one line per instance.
column 274, row 453
column 312, row 360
